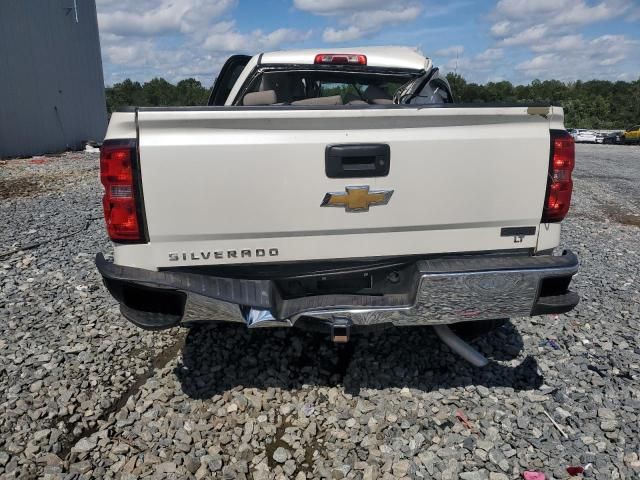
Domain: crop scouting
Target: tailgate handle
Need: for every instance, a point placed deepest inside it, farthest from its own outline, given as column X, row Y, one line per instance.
column 357, row 160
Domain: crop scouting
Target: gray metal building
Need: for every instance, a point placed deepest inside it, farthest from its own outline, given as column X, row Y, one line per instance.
column 51, row 83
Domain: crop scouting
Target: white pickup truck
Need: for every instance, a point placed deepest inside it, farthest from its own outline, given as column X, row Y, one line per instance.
column 335, row 190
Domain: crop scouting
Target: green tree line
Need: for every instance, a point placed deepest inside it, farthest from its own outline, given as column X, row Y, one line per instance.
column 156, row 92
column 599, row 104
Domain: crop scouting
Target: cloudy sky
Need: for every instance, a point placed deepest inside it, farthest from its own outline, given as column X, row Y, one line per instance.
column 484, row 40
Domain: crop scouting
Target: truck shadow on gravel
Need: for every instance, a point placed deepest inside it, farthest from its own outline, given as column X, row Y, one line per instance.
column 218, row 358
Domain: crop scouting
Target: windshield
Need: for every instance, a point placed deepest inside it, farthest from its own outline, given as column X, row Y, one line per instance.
column 313, row 87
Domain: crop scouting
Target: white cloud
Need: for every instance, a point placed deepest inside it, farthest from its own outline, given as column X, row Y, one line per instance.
column 360, row 24
column 482, row 65
column 440, row 9
column 528, row 36
column 501, row 29
column 377, row 18
column 175, row 39
column 141, row 58
column 539, row 63
column 135, row 38
column 526, row 8
column 450, row 51
column 565, row 63
column 333, row 7
column 490, row 55
column 332, row 35
column 553, row 31
column 561, row 43
column 541, row 23
column 119, row 50
column 224, row 38
column 561, row 12
column 359, row 18
column 153, row 17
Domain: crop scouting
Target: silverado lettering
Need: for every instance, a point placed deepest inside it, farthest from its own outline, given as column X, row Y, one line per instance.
column 221, row 254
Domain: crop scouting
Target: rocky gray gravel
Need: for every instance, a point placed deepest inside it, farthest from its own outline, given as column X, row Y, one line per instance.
column 84, row 394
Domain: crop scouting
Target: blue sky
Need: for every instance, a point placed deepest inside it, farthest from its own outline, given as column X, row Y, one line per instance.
column 484, row 40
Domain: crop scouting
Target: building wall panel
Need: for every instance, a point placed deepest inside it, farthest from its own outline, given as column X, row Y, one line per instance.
column 51, row 81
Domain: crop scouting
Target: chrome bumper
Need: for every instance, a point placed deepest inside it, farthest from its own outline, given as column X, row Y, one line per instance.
column 445, row 291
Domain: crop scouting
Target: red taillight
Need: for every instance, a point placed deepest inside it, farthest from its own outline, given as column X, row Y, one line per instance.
column 119, row 202
column 559, row 184
column 341, row 58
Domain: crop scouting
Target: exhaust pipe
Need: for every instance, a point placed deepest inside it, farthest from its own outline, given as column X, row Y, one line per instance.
column 459, row 346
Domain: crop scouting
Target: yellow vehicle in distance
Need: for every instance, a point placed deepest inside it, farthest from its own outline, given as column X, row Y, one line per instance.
column 632, row 135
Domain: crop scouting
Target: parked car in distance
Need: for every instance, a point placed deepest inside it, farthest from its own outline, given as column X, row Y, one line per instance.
column 632, row 135
column 613, row 138
column 585, row 136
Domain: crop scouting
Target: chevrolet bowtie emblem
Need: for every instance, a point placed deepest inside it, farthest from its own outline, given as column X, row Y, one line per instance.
column 357, row 199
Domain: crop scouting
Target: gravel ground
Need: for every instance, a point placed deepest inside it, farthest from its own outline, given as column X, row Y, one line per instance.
column 83, row 394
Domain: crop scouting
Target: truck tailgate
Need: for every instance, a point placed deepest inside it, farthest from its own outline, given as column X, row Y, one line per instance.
column 242, row 185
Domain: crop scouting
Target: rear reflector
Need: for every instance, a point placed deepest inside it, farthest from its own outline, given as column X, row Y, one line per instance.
column 559, row 183
column 341, row 58
column 119, row 201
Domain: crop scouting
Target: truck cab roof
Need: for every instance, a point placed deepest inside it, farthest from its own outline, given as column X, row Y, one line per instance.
column 382, row 57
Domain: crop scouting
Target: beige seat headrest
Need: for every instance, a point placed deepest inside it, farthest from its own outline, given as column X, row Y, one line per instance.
column 382, row 101
column 266, row 97
column 333, row 100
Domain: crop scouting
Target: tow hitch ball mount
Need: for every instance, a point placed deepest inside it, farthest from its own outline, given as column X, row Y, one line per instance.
column 341, row 333
column 340, row 330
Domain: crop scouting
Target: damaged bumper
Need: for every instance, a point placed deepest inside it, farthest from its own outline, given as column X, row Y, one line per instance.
column 434, row 292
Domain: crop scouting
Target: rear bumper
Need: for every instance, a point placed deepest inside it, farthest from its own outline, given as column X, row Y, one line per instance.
column 440, row 291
